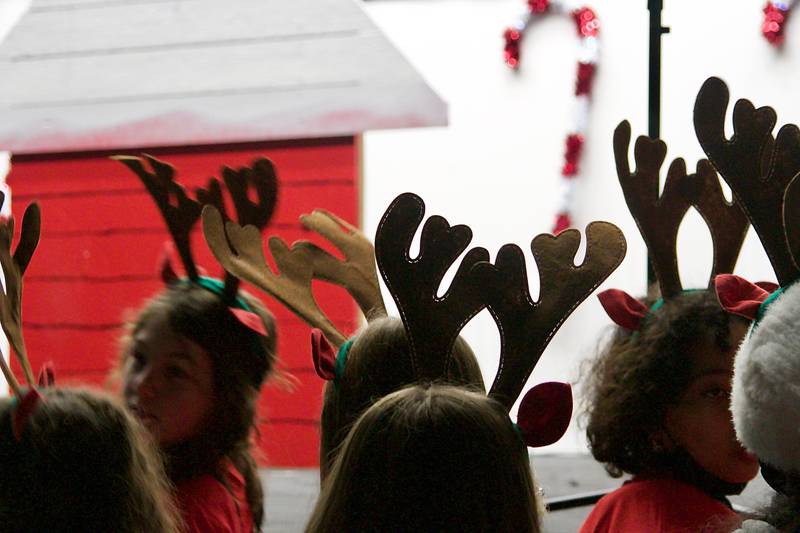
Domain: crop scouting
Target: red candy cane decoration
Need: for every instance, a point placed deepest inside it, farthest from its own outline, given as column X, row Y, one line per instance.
column 775, row 16
column 588, row 27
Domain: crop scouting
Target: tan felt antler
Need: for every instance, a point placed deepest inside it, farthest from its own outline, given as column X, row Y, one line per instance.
column 526, row 327
column 239, row 251
column 358, row 273
column 11, row 301
column 757, row 167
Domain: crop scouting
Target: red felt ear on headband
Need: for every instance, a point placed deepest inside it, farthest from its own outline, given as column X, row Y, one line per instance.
column 168, row 274
column 47, row 375
column 324, row 355
column 544, row 413
column 250, row 320
column 769, row 286
column 741, row 297
column 625, row 310
column 25, row 408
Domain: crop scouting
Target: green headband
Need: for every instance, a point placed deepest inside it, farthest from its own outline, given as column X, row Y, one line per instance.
column 217, row 287
column 341, row 359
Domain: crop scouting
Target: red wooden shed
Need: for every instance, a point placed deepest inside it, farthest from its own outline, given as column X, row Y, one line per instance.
column 199, row 84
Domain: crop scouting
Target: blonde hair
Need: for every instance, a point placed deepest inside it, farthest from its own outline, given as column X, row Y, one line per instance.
column 379, row 363
column 81, row 464
column 430, row 458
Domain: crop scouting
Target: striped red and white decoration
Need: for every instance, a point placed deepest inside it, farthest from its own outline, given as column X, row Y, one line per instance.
column 775, row 16
column 587, row 26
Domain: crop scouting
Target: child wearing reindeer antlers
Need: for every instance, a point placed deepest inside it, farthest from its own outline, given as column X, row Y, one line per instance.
column 659, row 392
column 431, row 325
column 380, row 349
column 430, row 458
column 75, row 460
column 194, row 359
column 70, row 459
column 765, row 401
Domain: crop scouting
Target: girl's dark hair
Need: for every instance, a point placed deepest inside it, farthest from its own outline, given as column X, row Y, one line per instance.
column 241, row 361
column 430, row 458
column 377, row 364
column 637, row 376
column 82, row 464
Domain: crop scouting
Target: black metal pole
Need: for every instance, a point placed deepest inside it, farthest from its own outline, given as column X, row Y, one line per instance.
column 654, row 98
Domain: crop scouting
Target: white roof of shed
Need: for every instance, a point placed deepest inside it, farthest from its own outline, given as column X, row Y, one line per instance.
column 98, row 74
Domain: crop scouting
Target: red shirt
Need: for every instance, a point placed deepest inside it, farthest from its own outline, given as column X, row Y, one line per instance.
column 207, row 506
column 659, row 506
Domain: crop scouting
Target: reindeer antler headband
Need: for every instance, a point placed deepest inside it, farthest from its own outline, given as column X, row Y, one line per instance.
column 659, row 216
column 14, row 266
column 432, row 322
column 239, row 250
column 761, row 171
column 180, row 212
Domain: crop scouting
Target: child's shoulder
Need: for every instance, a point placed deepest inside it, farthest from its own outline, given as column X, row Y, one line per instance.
column 666, row 494
column 207, row 505
column 657, row 504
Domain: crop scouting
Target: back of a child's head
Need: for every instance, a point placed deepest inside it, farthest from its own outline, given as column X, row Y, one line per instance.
column 638, row 375
column 430, row 458
column 241, row 360
column 81, row 464
column 376, row 364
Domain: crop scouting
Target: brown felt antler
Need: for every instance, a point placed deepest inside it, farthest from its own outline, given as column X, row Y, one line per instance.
column 432, row 323
column 757, row 167
column 14, row 267
column 727, row 222
column 659, row 216
column 238, row 249
column 357, row 273
column 179, row 211
column 791, row 217
column 262, row 178
column 526, row 327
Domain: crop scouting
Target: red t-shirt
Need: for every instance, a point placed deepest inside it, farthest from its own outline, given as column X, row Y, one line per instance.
column 207, row 506
column 659, row 506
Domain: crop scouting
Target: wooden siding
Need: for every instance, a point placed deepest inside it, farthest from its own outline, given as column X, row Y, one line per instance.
column 97, row 260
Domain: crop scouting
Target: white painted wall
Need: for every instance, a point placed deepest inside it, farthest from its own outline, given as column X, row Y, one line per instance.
column 497, row 166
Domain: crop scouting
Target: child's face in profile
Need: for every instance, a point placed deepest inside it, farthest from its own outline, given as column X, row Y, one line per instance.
column 701, row 421
column 168, row 382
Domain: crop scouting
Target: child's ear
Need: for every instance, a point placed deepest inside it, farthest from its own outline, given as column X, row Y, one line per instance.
column 661, row 441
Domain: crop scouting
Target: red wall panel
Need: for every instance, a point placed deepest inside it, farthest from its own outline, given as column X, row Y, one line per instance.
column 97, row 262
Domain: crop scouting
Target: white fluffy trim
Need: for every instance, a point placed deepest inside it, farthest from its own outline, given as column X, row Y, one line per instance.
column 756, row 526
column 766, row 385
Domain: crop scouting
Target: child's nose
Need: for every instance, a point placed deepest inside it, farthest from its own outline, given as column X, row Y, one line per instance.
column 148, row 385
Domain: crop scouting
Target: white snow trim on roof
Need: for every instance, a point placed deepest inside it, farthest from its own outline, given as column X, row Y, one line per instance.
column 766, row 386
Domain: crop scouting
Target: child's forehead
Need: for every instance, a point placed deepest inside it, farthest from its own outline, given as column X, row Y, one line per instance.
column 708, row 358
column 155, row 333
